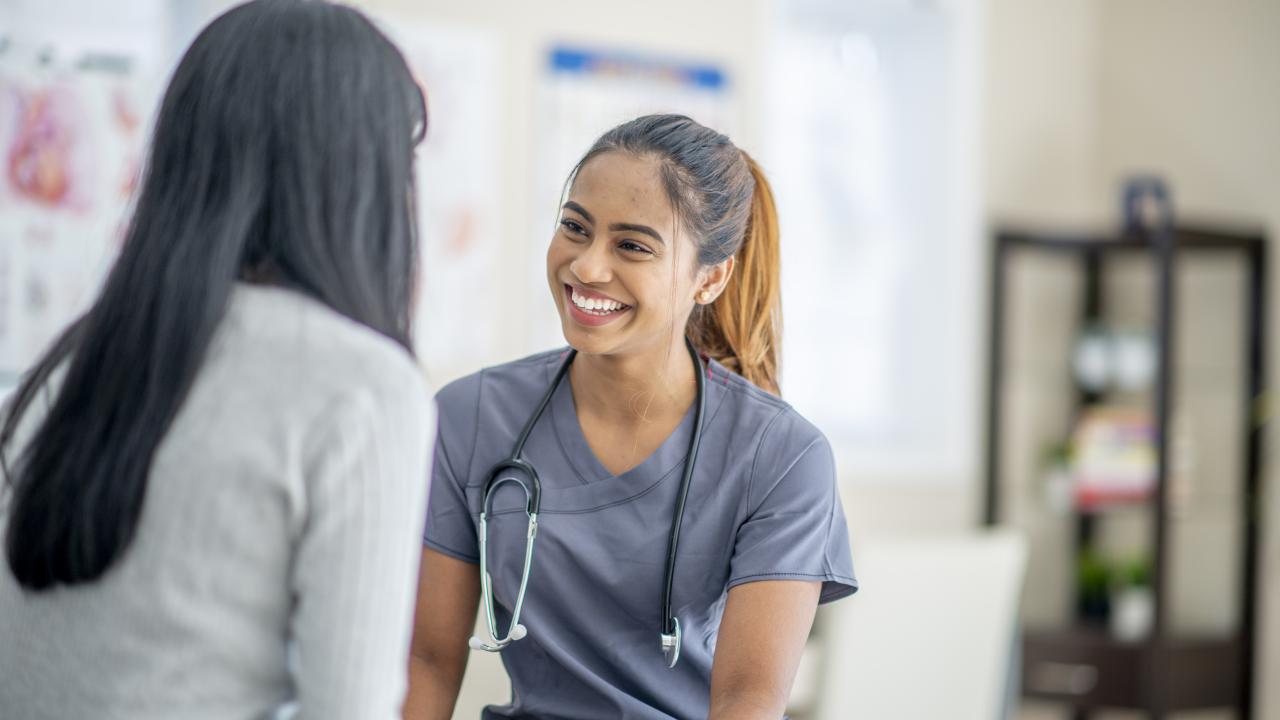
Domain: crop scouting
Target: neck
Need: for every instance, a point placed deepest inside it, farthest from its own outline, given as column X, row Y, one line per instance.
column 635, row 388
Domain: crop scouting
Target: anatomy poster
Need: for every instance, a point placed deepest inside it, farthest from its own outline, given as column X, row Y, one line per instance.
column 71, row 146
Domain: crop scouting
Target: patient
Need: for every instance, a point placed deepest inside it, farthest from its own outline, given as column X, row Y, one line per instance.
column 215, row 480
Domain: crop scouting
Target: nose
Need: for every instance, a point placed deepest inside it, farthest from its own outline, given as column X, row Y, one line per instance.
column 592, row 265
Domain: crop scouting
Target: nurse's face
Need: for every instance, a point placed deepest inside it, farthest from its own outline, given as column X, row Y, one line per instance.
column 623, row 278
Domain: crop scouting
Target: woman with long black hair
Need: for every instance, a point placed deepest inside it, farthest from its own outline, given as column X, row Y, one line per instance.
column 214, row 481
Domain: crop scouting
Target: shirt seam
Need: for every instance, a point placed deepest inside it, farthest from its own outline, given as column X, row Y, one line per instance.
column 787, row 471
column 742, row 386
column 451, row 552
column 755, row 460
column 834, row 496
column 790, row 466
column 781, row 573
column 475, row 433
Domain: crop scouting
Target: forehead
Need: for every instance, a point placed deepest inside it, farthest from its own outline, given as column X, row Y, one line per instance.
column 623, row 188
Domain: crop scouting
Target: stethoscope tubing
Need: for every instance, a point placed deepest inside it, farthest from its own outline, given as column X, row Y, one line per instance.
column 670, row 634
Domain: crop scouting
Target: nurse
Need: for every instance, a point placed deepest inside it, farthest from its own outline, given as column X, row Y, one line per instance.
column 668, row 232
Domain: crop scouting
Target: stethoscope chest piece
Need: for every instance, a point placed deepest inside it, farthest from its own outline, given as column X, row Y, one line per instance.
column 671, row 643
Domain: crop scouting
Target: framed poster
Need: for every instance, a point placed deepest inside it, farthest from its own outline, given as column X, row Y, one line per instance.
column 457, row 172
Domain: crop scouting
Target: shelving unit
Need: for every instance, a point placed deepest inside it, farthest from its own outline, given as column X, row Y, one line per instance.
column 1081, row 665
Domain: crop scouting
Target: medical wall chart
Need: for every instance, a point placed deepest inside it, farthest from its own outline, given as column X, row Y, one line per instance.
column 459, row 211
column 71, row 149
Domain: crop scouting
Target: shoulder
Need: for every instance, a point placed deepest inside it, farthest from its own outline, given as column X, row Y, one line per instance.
column 778, row 427
column 793, row 458
column 323, row 345
column 785, row 445
column 483, row 404
column 515, row 378
column 316, row 365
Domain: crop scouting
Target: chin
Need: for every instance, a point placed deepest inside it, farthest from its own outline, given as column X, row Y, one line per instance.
column 587, row 342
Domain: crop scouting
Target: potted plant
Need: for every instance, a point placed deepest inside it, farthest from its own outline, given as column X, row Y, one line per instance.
column 1093, row 587
column 1133, row 603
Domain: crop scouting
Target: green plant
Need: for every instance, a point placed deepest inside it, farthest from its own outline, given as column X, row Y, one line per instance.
column 1134, row 573
column 1093, row 574
column 1057, row 454
column 1093, row 586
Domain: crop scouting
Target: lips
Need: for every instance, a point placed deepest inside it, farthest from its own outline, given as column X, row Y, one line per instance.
column 591, row 308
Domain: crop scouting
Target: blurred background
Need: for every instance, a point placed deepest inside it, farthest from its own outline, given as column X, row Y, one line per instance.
column 983, row 333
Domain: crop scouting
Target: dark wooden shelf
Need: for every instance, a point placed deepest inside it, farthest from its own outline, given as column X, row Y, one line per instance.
column 1185, row 238
column 1088, row 669
column 1082, row 666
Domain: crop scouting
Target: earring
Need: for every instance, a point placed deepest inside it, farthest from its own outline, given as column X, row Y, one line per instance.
column 704, row 297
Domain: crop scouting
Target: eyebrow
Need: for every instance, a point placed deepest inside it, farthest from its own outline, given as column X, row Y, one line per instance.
column 616, row 227
column 571, row 205
column 632, row 227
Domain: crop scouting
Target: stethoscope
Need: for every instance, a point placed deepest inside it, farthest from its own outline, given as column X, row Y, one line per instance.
column 670, row 633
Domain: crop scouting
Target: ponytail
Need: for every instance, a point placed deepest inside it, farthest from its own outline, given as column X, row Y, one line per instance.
column 742, row 329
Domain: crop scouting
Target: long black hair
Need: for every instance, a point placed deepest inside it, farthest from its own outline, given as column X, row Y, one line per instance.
column 282, row 153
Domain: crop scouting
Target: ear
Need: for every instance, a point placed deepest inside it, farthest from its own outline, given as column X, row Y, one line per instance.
column 712, row 281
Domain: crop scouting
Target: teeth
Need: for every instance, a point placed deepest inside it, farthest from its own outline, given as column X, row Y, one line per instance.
column 595, row 305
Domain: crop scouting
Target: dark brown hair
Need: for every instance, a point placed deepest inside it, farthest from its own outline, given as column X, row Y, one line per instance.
column 720, row 195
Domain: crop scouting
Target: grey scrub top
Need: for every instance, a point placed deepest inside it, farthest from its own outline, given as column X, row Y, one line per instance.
column 762, row 506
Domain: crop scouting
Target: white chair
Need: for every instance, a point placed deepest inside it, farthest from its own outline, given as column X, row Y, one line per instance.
column 933, row 633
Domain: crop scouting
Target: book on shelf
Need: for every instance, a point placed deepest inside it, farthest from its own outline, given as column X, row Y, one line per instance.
column 1113, row 457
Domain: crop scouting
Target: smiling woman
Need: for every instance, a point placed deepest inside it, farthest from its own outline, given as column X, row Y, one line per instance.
column 667, row 237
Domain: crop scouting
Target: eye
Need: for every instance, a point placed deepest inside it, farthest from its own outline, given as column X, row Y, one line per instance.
column 572, row 227
column 633, row 247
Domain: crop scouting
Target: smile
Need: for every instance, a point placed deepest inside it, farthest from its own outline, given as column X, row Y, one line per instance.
column 595, row 305
column 592, row 308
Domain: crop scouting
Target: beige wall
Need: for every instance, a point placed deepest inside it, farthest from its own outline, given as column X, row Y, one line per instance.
column 1042, row 112
column 1191, row 90
column 1083, row 93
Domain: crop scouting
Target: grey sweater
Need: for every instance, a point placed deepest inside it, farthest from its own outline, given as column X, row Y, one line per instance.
column 275, row 563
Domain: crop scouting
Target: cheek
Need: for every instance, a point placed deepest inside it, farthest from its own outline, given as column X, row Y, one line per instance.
column 655, row 289
column 556, row 255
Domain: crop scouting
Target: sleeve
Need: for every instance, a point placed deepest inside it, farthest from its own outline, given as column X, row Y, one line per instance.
column 450, row 528
column 795, row 527
column 356, row 564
